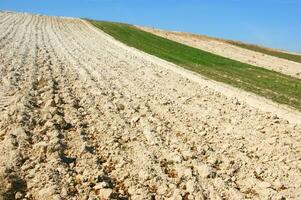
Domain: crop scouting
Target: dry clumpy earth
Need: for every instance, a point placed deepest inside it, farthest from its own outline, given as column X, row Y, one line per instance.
column 85, row 117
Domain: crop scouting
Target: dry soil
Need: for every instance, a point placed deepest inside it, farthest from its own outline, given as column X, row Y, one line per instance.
column 86, row 117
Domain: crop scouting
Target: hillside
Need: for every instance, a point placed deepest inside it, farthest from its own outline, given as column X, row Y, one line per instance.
column 269, row 84
column 83, row 116
column 251, row 54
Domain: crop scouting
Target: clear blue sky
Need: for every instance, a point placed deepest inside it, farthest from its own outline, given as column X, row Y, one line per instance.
column 273, row 23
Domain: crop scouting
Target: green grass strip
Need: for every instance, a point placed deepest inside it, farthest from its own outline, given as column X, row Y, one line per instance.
column 278, row 87
column 252, row 47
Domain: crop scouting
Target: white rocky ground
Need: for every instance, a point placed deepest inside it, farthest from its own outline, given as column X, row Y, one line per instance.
column 85, row 117
column 222, row 48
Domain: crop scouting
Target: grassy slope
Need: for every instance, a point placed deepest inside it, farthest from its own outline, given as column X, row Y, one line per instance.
column 271, row 52
column 273, row 85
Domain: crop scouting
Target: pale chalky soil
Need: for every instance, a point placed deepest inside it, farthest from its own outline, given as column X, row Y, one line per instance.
column 85, row 117
column 227, row 50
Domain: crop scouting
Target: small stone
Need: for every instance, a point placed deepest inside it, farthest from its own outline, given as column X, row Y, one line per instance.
column 50, row 103
column 278, row 185
column 236, row 102
column 56, row 197
column 187, row 173
column 40, row 147
column 86, row 149
column 190, row 186
column 105, row 193
column 12, row 140
column 78, row 178
column 162, row 190
column 109, row 105
column 175, row 158
column 101, row 185
column 143, row 175
column 204, row 170
column 135, row 119
column 18, row 195
column 187, row 154
column 64, row 192
column 56, row 99
column 92, row 197
column 176, row 195
column 84, row 178
column 20, row 133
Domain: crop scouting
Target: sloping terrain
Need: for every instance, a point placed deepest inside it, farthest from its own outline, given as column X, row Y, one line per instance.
column 273, row 85
column 86, row 117
column 270, row 59
column 296, row 57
